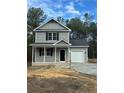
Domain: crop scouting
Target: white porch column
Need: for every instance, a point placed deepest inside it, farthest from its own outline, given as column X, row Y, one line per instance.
column 44, row 54
column 32, row 54
column 55, row 54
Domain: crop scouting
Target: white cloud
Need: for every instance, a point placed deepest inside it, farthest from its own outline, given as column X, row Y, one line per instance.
column 80, row 2
column 46, row 6
column 94, row 20
column 58, row 5
column 55, row 9
column 71, row 9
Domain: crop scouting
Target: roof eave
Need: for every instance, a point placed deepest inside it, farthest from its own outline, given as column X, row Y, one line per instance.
column 79, row 46
column 50, row 20
column 50, row 30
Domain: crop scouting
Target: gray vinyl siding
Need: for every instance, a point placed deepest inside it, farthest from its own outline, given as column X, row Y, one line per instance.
column 40, row 37
column 37, row 57
column 53, row 25
column 64, row 36
column 51, row 58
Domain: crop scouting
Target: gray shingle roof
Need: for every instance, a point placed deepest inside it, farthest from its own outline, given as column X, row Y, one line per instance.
column 79, row 42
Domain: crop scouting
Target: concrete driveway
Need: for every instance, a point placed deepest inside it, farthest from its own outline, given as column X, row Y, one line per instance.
column 88, row 68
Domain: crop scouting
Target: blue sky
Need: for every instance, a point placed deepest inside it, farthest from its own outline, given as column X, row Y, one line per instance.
column 66, row 8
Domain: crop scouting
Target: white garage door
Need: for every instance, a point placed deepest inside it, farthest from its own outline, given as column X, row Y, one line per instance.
column 77, row 57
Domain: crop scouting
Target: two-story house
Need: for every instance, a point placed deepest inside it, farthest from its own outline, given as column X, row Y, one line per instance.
column 52, row 44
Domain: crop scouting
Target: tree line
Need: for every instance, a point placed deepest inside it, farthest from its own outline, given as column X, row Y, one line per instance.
column 81, row 29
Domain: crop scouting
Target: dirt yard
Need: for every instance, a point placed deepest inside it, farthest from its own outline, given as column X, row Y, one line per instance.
column 48, row 79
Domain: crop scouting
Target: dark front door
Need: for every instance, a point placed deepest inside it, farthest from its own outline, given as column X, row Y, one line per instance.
column 62, row 55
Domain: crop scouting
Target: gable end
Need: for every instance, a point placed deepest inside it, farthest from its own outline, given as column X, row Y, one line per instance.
column 52, row 25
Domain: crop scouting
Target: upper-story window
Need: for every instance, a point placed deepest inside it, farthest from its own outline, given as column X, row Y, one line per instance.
column 52, row 36
column 49, row 36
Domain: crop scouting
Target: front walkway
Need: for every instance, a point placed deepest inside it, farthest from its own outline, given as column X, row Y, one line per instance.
column 89, row 68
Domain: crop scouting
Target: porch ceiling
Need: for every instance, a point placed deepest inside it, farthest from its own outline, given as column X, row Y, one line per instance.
column 48, row 45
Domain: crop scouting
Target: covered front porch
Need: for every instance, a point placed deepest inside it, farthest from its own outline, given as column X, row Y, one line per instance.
column 50, row 53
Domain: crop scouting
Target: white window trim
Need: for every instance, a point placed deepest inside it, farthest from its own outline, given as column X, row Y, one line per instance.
column 52, row 35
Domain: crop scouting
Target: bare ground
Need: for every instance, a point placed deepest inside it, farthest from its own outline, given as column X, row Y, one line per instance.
column 47, row 79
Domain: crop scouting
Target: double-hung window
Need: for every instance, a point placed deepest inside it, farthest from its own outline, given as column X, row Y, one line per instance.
column 52, row 36
column 41, row 52
column 49, row 51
